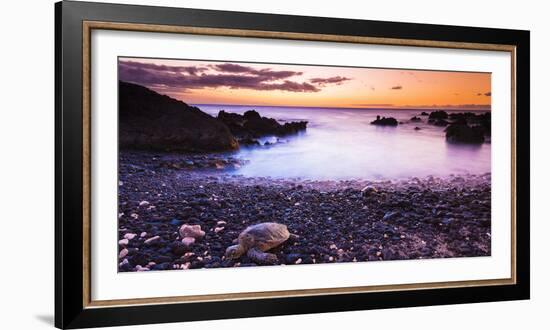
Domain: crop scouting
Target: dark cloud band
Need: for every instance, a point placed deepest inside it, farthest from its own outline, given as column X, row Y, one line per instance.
column 228, row 75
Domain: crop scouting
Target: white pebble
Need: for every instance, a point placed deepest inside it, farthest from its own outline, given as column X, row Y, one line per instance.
column 123, row 242
column 333, row 247
column 130, row 236
column 221, row 223
column 218, row 229
column 143, row 234
column 124, row 262
column 191, row 231
column 299, row 261
column 187, row 241
column 123, row 253
column 152, row 239
column 134, row 215
column 143, row 203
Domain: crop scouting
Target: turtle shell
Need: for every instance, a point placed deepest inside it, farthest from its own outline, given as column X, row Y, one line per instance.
column 267, row 235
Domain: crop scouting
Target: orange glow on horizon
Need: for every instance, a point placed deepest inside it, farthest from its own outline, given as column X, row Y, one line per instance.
column 329, row 86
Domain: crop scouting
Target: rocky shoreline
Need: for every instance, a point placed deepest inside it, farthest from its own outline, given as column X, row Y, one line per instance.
column 462, row 127
column 337, row 221
column 151, row 121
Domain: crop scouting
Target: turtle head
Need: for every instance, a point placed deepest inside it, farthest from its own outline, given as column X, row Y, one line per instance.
column 234, row 252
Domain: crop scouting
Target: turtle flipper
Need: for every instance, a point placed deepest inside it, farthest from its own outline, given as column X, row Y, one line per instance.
column 293, row 237
column 261, row 257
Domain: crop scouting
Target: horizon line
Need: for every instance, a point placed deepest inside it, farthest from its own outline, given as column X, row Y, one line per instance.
column 359, row 108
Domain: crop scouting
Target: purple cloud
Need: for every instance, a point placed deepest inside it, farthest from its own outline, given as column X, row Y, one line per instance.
column 267, row 74
column 231, row 67
column 337, row 80
column 229, row 75
column 193, row 70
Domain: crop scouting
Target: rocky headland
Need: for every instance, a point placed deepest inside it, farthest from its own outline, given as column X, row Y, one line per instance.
column 151, row 121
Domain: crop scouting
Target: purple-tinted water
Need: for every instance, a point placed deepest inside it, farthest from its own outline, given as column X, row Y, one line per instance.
column 341, row 144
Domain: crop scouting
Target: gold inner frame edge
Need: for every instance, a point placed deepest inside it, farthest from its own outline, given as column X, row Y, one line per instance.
column 88, row 26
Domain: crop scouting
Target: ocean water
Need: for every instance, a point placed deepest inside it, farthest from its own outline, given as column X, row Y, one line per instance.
column 342, row 144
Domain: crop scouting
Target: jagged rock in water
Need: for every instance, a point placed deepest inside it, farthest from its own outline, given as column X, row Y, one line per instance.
column 462, row 133
column 252, row 125
column 440, row 114
column 390, row 121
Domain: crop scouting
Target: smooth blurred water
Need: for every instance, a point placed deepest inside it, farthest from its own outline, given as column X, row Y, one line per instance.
column 341, row 144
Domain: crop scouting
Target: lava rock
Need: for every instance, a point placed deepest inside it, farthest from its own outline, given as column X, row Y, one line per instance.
column 149, row 120
column 383, row 121
column 462, row 133
column 440, row 114
column 251, row 125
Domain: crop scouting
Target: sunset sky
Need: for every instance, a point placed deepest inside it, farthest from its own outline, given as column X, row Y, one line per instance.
column 209, row 82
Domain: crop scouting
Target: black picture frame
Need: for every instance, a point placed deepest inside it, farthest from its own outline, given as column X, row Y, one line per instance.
column 70, row 310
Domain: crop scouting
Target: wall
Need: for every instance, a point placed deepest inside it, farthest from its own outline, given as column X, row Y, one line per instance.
column 26, row 176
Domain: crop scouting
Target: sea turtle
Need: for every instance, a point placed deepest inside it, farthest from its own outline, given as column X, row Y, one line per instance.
column 255, row 240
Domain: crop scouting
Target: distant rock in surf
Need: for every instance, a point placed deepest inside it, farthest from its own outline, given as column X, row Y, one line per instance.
column 439, row 122
column 463, row 133
column 438, row 118
column 440, row 114
column 469, row 118
column 466, row 121
column 390, row 121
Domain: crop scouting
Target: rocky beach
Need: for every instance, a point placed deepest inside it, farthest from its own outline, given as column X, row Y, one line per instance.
column 340, row 180
column 337, row 221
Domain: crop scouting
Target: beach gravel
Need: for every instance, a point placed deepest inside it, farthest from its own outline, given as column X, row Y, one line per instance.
column 337, row 221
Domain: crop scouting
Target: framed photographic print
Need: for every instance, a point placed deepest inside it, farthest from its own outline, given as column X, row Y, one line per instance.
column 221, row 164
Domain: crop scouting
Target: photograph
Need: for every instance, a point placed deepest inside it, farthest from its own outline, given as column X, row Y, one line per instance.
column 227, row 164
